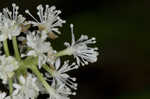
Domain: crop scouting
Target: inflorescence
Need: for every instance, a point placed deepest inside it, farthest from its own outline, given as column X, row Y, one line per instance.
column 32, row 51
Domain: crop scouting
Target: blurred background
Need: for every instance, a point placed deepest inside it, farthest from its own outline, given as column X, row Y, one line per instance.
column 124, row 24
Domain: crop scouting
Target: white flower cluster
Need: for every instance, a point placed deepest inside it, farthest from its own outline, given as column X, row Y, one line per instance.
column 20, row 67
column 10, row 23
column 7, row 67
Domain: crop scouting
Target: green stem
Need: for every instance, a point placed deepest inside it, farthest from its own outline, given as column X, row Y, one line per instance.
column 25, row 64
column 15, row 46
column 31, row 63
column 6, row 49
column 48, row 69
column 10, row 86
column 41, row 78
column 67, row 51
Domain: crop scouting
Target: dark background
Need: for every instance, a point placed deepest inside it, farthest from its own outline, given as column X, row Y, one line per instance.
column 124, row 24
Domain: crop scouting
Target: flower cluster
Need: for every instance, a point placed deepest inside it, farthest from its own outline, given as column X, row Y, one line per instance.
column 20, row 69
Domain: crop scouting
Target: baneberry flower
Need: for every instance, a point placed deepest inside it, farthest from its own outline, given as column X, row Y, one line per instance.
column 27, row 88
column 80, row 49
column 2, row 95
column 49, row 19
column 7, row 67
column 39, row 47
column 35, row 66
column 10, row 23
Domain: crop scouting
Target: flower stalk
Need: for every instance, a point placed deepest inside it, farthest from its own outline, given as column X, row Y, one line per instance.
column 67, row 51
column 48, row 69
column 6, row 49
column 15, row 46
column 41, row 78
column 10, row 86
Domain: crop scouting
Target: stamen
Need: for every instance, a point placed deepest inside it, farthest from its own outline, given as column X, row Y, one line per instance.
column 13, row 5
column 5, row 10
column 73, row 37
column 40, row 12
column 46, row 12
column 28, row 12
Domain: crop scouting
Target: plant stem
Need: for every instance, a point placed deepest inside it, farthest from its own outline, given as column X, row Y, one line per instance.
column 6, row 49
column 67, row 51
column 10, row 86
column 31, row 63
column 48, row 69
column 41, row 78
column 15, row 46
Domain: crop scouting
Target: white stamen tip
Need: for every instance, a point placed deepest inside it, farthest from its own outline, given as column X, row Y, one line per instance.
column 64, row 21
column 71, row 25
column 74, row 79
column 47, row 5
column 96, row 48
column 93, row 38
column 27, row 11
column 17, row 7
column 74, row 93
column 13, row 4
column 39, row 6
column 58, row 11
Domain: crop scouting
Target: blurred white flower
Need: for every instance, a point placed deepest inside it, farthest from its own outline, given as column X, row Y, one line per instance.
column 80, row 49
column 27, row 89
column 49, row 19
column 10, row 23
column 2, row 95
column 7, row 66
column 39, row 47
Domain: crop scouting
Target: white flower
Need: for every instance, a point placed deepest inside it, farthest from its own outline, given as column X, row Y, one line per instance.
column 7, row 66
column 10, row 23
column 60, row 76
column 2, row 95
column 62, row 91
column 49, row 19
column 27, row 88
column 80, row 49
column 37, row 43
column 39, row 47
